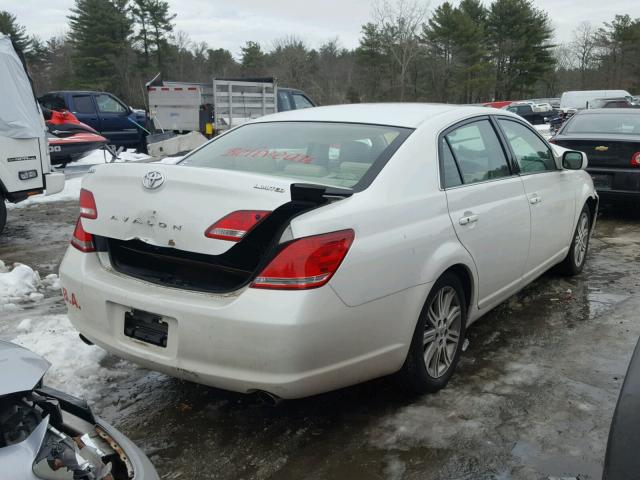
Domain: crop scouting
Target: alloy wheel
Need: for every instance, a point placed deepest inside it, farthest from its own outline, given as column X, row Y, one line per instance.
column 582, row 240
column 442, row 331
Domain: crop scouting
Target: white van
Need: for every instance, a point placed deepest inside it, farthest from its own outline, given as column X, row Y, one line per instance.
column 580, row 99
column 25, row 167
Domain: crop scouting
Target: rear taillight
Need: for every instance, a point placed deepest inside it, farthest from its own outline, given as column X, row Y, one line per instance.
column 307, row 262
column 82, row 240
column 235, row 225
column 88, row 207
column 635, row 159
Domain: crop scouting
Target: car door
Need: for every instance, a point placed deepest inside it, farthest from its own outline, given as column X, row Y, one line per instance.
column 550, row 193
column 487, row 205
column 84, row 109
column 114, row 121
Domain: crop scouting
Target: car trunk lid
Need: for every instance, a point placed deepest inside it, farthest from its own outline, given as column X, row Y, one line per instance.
column 613, row 151
column 179, row 207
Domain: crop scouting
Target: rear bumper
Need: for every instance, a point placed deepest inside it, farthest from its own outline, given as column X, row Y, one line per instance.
column 289, row 343
column 616, row 184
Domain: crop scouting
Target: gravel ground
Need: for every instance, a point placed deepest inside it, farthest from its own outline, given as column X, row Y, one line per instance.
column 533, row 396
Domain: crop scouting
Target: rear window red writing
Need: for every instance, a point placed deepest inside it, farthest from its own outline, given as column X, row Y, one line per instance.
column 265, row 152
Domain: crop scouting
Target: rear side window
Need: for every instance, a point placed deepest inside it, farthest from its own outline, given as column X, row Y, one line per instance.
column 83, row 104
column 478, row 152
column 627, row 123
column 53, row 102
column 333, row 154
column 532, row 154
column 450, row 173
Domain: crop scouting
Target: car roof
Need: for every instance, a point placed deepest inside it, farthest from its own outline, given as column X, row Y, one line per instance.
column 21, row 368
column 73, row 92
column 598, row 111
column 410, row 115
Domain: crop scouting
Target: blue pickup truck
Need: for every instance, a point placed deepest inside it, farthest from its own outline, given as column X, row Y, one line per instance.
column 104, row 112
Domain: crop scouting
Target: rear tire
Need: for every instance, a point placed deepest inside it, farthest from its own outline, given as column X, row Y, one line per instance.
column 576, row 258
column 438, row 337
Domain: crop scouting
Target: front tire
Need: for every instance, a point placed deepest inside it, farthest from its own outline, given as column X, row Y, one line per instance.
column 575, row 259
column 437, row 340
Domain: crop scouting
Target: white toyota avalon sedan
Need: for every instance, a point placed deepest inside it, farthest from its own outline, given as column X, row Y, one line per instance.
column 319, row 248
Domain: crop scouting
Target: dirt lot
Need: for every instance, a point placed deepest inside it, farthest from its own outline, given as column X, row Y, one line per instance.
column 532, row 399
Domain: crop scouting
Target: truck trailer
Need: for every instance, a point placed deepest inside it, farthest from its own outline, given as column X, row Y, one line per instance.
column 212, row 108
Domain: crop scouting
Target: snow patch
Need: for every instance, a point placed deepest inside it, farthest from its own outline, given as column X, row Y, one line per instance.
column 23, row 285
column 102, row 156
column 19, row 285
column 70, row 192
column 75, row 366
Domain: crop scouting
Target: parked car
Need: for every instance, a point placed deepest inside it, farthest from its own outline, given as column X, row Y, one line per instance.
column 580, row 99
column 611, row 140
column 47, row 434
column 529, row 112
column 620, row 102
column 104, row 112
column 313, row 249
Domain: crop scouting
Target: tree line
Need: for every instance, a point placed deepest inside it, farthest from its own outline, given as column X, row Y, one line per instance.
column 460, row 52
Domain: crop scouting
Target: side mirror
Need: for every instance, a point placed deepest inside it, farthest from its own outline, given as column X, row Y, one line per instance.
column 573, row 160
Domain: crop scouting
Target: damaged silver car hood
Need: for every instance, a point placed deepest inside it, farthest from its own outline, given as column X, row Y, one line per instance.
column 20, row 369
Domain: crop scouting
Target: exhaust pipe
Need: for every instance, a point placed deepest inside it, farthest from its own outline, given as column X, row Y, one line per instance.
column 267, row 398
column 85, row 339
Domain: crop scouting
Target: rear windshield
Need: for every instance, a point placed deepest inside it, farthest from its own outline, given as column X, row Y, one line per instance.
column 343, row 155
column 605, row 123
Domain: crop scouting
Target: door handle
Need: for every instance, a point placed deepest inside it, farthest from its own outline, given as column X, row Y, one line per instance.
column 468, row 219
column 535, row 198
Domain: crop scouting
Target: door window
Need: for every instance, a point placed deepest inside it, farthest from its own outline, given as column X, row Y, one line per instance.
column 284, row 103
column 478, row 152
column 300, row 101
column 532, row 154
column 108, row 104
column 83, row 104
column 450, row 173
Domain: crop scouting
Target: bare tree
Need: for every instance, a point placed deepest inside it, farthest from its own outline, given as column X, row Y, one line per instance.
column 583, row 48
column 400, row 22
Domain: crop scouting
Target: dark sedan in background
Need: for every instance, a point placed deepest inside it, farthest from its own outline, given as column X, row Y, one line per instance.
column 611, row 139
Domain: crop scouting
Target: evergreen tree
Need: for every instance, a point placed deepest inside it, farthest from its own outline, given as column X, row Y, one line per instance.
column 373, row 61
column 140, row 13
column 220, row 63
column 100, row 33
column 9, row 26
column 160, row 26
column 253, row 59
column 520, row 42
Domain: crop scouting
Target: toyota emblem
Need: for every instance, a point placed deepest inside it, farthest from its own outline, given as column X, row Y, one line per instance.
column 152, row 180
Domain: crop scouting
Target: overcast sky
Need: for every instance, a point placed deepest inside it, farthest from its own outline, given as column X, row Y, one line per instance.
column 229, row 24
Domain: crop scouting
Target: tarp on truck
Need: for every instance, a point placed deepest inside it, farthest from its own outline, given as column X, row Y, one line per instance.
column 20, row 115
